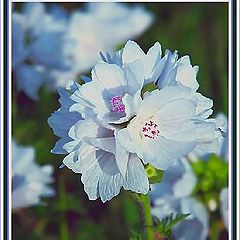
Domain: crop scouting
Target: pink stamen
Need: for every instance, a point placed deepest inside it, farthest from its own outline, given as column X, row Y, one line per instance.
column 117, row 104
column 150, row 130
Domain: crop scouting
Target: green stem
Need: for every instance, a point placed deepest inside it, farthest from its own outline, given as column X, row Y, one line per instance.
column 147, row 217
column 64, row 235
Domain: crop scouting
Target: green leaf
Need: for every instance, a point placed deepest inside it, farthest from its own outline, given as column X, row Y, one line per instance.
column 178, row 219
column 165, row 225
column 154, row 175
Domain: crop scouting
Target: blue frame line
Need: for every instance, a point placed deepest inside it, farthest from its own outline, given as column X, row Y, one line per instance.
column 6, row 119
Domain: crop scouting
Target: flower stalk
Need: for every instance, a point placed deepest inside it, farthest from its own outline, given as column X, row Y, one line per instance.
column 64, row 235
column 146, row 206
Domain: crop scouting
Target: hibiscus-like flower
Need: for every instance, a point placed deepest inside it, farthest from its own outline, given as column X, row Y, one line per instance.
column 113, row 94
column 92, row 151
column 29, row 180
column 110, row 127
column 167, row 127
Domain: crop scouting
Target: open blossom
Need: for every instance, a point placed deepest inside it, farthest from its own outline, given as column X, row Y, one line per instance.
column 169, row 197
column 166, row 71
column 110, row 128
column 51, row 46
column 29, row 180
column 166, row 127
column 113, row 94
column 92, row 151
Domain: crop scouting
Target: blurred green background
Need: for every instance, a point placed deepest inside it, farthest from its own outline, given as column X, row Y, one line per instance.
column 199, row 30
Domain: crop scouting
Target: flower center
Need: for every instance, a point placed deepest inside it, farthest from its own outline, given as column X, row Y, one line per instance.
column 117, row 104
column 150, row 130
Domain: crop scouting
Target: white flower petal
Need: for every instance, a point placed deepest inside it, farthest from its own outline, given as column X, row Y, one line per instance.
column 186, row 74
column 134, row 76
column 72, row 161
column 111, row 180
column 174, row 111
column 204, row 105
column 157, row 99
column 122, row 158
column 124, row 138
column 162, row 152
column 110, row 76
column 136, row 178
column 152, row 57
column 132, row 52
column 107, row 144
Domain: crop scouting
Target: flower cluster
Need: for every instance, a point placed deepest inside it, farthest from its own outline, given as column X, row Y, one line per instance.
column 113, row 125
column 29, row 181
column 51, row 45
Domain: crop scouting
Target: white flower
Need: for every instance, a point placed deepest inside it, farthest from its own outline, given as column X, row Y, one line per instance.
column 89, row 30
column 92, row 151
column 115, row 120
column 113, row 94
column 88, row 33
column 169, row 71
column 29, row 180
column 66, row 45
column 166, row 127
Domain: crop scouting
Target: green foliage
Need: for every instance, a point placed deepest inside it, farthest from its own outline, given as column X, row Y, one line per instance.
column 212, row 177
column 165, row 225
column 154, row 175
